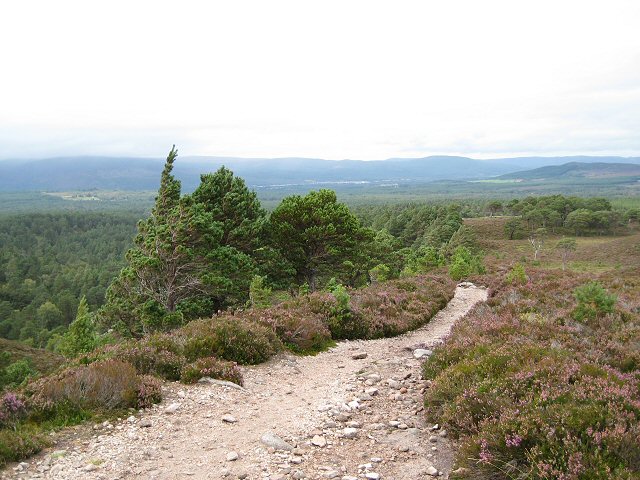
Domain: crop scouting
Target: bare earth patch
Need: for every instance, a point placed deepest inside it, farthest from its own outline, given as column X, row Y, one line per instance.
column 333, row 415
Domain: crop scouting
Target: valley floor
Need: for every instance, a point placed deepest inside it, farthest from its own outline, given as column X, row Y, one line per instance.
column 340, row 416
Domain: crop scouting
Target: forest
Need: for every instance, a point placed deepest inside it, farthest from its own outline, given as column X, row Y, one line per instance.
column 210, row 280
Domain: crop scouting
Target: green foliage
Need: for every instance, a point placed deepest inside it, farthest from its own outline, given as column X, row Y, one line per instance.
column 341, row 321
column 423, row 260
column 16, row 373
column 380, row 273
column 517, row 275
column 259, row 294
column 81, row 336
column 315, row 234
column 192, row 256
column 514, row 229
column 464, row 263
column 593, row 302
column 48, row 261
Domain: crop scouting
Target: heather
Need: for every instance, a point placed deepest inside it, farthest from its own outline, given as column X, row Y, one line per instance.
column 532, row 389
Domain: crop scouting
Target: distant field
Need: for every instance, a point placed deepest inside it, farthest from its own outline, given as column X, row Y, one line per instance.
column 593, row 254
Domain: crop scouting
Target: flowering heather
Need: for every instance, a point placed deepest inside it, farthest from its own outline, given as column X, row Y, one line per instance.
column 532, row 393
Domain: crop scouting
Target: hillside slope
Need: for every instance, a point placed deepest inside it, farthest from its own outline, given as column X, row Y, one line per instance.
column 577, row 169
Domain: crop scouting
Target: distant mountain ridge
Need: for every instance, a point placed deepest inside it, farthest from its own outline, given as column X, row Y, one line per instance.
column 576, row 169
column 134, row 173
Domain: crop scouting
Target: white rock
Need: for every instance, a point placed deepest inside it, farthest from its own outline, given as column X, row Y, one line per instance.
column 173, row 408
column 372, row 476
column 350, row 432
column 318, row 441
column 232, row 456
column 422, row 353
column 229, row 419
column 432, row 471
column 274, row 441
column 131, row 419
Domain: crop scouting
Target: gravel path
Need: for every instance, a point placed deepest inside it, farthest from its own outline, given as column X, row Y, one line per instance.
column 333, row 415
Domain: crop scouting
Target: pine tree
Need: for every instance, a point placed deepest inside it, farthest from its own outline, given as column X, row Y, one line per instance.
column 81, row 335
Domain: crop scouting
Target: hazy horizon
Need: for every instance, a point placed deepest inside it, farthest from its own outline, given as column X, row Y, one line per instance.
column 332, row 80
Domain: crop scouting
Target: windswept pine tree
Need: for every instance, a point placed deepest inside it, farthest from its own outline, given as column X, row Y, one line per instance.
column 191, row 256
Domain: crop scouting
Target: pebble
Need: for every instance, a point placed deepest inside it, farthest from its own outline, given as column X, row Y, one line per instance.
column 432, row 471
column 229, row 419
column 372, row 476
column 173, row 408
column 232, row 456
column 318, row 441
column 359, row 355
column 272, row 440
column 145, row 423
column 350, row 432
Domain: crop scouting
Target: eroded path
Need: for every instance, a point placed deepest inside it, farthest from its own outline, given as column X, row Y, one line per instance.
column 341, row 417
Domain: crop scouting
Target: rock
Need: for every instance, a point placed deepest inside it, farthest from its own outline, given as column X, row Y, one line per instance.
column 350, row 432
column 347, row 477
column 433, row 439
column 229, row 418
column 442, row 433
column 354, row 405
column 243, row 475
column 221, row 383
column 173, row 408
column 394, row 423
column 374, row 377
column 376, row 460
column 394, row 384
column 372, row 476
column 232, row 456
column 422, row 353
column 90, row 467
column 359, row 355
column 331, row 474
column 371, row 391
column 432, row 471
column 319, row 441
column 131, row 419
column 145, row 423
column 298, row 475
column 273, row 441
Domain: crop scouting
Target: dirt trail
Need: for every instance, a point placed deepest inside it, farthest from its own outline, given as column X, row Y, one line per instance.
column 363, row 414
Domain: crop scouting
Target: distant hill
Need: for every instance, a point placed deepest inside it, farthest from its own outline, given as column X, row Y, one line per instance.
column 576, row 169
column 135, row 174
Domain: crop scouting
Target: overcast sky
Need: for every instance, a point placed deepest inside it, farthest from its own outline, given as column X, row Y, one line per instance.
column 328, row 79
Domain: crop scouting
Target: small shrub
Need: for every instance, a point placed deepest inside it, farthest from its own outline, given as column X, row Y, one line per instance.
column 244, row 342
column 17, row 372
column 517, row 275
column 150, row 357
column 593, row 302
column 149, row 391
column 230, row 338
column 211, row 367
column 12, row 409
column 106, row 384
column 20, row 443
column 259, row 294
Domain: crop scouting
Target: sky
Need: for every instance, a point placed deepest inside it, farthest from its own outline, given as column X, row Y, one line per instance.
column 325, row 79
